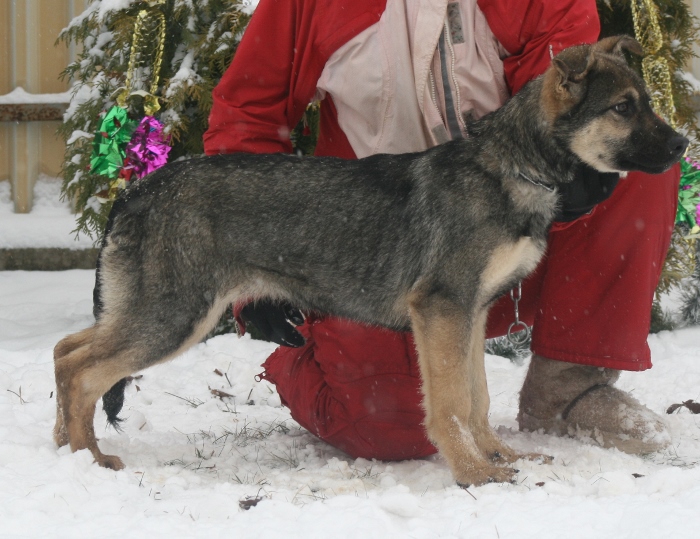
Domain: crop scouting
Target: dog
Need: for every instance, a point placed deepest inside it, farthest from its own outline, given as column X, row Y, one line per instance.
column 426, row 241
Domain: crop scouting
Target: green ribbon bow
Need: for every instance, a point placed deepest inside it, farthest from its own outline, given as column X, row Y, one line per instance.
column 689, row 196
column 109, row 146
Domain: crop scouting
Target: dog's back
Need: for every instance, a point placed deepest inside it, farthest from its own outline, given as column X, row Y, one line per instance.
column 347, row 237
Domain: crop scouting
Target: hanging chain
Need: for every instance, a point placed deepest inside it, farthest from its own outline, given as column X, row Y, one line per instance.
column 516, row 336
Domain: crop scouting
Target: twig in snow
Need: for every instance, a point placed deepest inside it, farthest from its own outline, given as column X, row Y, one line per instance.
column 21, row 400
column 194, row 403
column 221, row 394
column 250, row 501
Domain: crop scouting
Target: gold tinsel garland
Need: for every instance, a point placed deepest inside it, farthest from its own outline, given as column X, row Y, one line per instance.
column 149, row 29
column 655, row 67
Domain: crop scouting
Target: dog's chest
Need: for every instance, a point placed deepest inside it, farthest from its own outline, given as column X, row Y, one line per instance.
column 509, row 262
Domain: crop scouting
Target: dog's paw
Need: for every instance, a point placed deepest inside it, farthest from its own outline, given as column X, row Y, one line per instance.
column 60, row 434
column 483, row 476
column 60, row 437
column 508, row 458
column 538, row 458
column 503, row 457
column 109, row 461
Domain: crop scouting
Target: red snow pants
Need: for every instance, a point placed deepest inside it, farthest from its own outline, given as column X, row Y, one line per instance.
column 589, row 302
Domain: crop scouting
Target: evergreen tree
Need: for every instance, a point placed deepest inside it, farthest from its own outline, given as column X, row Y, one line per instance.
column 690, row 298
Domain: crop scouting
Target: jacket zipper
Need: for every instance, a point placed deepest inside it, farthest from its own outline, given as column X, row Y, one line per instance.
column 433, row 93
column 453, row 77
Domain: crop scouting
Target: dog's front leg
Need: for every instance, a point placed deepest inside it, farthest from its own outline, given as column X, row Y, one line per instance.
column 491, row 446
column 443, row 334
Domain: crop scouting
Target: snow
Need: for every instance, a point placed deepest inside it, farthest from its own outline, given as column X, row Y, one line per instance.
column 101, row 10
column 248, row 6
column 114, row 5
column 83, row 93
column 19, row 96
column 191, row 457
column 77, row 135
column 49, row 224
column 690, row 79
column 185, row 75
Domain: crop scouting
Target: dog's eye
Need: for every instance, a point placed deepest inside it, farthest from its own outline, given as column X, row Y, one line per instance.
column 623, row 108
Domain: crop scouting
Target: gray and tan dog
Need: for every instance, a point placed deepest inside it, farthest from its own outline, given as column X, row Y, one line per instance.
column 426, row 240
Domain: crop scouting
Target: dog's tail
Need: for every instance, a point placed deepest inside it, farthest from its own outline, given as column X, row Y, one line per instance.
column 112, row 403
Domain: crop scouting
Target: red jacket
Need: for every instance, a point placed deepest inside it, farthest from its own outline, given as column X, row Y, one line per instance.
column 274, row 74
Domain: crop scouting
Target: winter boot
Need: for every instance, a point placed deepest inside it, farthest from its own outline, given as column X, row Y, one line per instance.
column 580, row 401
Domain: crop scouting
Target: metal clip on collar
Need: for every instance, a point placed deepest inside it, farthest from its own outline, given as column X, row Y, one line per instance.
column 518, row 337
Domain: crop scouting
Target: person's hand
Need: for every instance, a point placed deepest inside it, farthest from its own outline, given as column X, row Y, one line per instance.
column 589, row 188
column 275, row 321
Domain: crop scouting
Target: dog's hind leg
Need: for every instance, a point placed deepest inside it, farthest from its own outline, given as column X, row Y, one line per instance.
column 124, row 342
column 82, row 376
column 65, row 346
column 442, row 332
column 71, row 342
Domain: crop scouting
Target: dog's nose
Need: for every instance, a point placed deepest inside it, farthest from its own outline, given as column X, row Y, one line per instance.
column 678, row 144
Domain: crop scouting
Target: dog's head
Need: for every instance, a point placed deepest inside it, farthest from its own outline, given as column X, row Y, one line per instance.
column 601, row 107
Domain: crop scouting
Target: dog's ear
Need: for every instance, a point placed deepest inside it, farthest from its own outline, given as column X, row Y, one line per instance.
column 572, row 65
column 617, row 44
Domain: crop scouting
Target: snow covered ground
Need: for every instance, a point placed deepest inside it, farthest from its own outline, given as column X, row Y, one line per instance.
column 192, row 457
column 49, row 224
